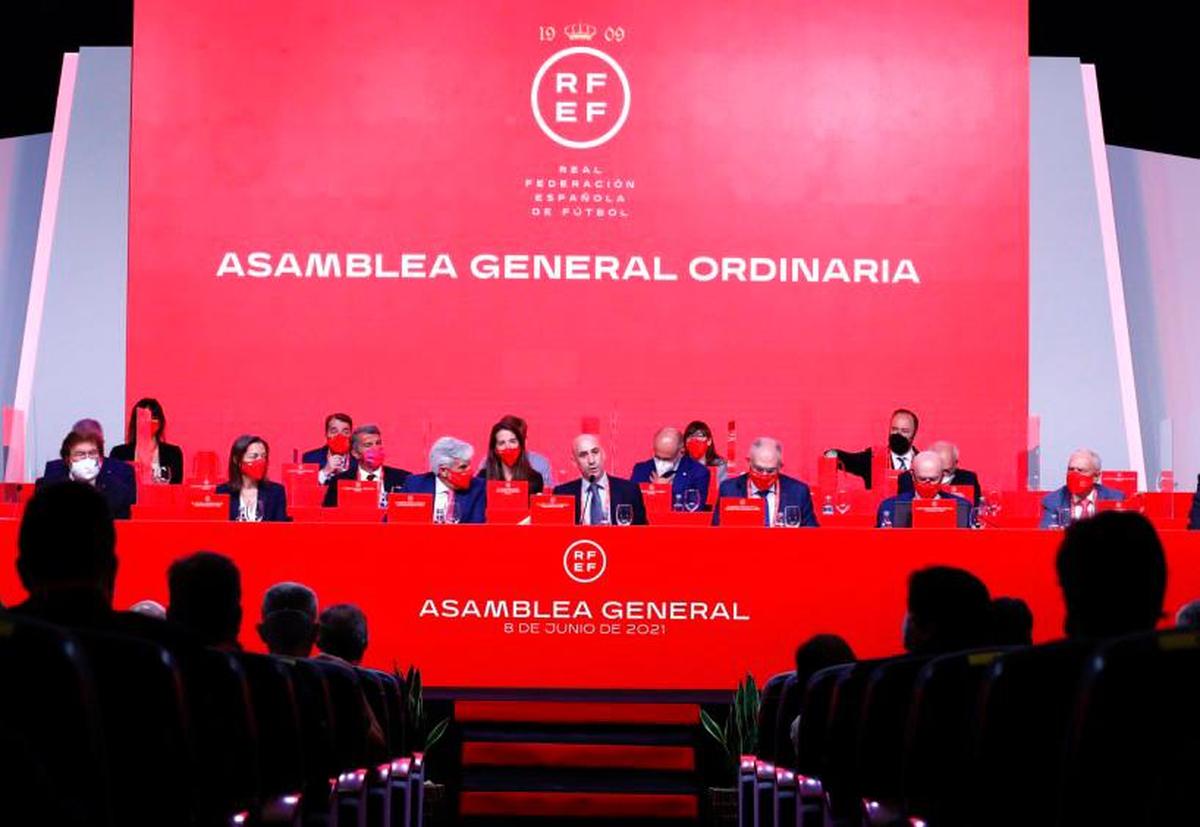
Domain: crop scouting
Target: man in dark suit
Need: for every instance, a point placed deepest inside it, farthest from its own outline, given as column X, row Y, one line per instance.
column 951, row 473
column 366, row 450
column 927, row 485
column 334, row 456
column 597, row 494
column 763, row 479
column 82, row 460
column 671, row 464
column 1077, row 499
column 458, row 495
column 901, row 449
column 89, row 427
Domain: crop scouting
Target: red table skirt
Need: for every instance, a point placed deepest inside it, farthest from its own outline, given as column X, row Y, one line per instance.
column 609, row 607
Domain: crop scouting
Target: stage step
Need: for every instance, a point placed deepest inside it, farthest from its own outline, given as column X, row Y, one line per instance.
column 582, row 763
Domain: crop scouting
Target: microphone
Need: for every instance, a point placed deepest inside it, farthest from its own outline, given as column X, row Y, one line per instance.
column 591, row 478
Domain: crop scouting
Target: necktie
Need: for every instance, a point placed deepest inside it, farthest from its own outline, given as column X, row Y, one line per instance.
column 766, row 506
column 903, row 463
column 595, row 507
column 371, row 477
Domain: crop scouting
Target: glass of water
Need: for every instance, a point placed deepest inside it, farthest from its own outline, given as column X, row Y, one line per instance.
column 691, row 499
column 791, row 516
column 624, row 514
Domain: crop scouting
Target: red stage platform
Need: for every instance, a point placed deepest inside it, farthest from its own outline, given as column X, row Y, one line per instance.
column 665, row 609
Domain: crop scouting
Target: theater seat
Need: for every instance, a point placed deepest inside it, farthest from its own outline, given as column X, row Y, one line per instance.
column 1028, row 699
column 146, row 729
column 790, row 695
column 941, row 734
column 281, row 759
column 767, row 713
column 1133, row 756
column 813, row 735
column 53, row 769
column 317, row 736
column 884, row 726
column 839, row 770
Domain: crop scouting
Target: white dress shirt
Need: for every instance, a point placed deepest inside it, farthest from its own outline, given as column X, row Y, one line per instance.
column 1084, row 506
column 902, row 462
column 443, row 497
column 585, row 500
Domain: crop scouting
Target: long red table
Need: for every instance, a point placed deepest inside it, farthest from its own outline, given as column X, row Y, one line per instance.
column 640, row 608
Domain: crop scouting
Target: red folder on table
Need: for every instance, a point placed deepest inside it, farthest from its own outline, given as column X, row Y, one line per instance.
column 410, row 508
column 742, row 511
column 552, row 509
column 942, row 513
column 507, row 501
column 194, row 502
column 656, row 496
column 1124, row 481
column 358, row 495
column 303, row 488
column 157, row 495
column 1130, row 503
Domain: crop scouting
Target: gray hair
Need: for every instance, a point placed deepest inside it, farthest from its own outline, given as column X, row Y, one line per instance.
column 766, row 441
column 953, row 448
column 1092, row 454
column 363, row 430
column 290, row 596
column 447, row 451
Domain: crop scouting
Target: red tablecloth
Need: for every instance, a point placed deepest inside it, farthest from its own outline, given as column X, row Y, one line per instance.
column 733, row 599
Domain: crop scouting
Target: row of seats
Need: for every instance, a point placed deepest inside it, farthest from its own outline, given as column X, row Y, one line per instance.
column 102, row 728
column 1068, row 733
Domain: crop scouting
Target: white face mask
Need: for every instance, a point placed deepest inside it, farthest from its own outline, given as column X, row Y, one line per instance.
column 85, row 470
column 947, row 476
column 663, row 466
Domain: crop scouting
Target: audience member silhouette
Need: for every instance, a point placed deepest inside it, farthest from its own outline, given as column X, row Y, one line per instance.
column 149, row 608
column 206, row 598
column 289, row 620
column 342, row 633
column 1188, row 616
column 813, row 655
column 949, row 610
column 1012, row 622
column 1113, row 575
column 66, row 556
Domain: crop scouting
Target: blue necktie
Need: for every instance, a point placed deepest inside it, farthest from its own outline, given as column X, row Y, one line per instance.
column 595, row 508
column 766, row 506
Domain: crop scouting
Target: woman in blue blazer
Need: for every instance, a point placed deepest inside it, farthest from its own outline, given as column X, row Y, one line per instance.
column 252, row 497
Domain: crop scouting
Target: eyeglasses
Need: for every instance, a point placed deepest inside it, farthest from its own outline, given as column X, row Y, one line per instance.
column 78, row 455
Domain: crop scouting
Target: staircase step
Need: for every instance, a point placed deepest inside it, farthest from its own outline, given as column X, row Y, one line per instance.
column 576, row 712
column 578, row 805
column 624, row 756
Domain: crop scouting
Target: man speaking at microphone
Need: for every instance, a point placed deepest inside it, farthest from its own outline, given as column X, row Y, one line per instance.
column 597, row 495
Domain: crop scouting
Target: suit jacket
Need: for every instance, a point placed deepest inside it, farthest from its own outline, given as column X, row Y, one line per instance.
column 393, row 480
column 272, row 496
column 791, row 492
column 688, row 474
column 469, row 505
column 860, row 463
column 1194, row 514
column 901, row 521
column 961, row 477
column 1061, row 498
column 115, row 481
column 319, row 456
column 169, row 456
column 620, row 492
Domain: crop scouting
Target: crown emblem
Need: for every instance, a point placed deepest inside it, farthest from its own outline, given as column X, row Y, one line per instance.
column 580, row 32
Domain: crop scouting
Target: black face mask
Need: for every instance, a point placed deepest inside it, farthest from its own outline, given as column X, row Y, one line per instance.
column 899, row 443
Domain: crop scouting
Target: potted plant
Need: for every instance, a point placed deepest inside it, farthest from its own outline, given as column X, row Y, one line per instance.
column 420, row 738
column 738, row 736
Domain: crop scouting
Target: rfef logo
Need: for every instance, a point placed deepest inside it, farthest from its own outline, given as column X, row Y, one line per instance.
column 580, row 97
column 584, row 561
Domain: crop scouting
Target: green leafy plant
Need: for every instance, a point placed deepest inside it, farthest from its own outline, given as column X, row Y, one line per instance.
column 418, row 735
column 738, row 736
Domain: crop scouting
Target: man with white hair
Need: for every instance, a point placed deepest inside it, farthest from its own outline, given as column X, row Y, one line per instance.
column 927, row 476
column 367, row 465
column 1077, row 499
column 458, row 495
column 763, row 479
column 951, row 473
column 598, row 495
column 671, row 464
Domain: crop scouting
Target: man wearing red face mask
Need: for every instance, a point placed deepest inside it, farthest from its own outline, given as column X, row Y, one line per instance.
column 366, row 449
column 252, row 497
column 778, row 492
column 927, row 475
column 458, row 495
column 334, row 456
column 1081, row 493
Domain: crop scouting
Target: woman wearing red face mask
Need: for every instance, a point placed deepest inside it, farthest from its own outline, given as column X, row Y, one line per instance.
column 698, row 442
column 252, row 497
column 506, row 459
column 166, row 459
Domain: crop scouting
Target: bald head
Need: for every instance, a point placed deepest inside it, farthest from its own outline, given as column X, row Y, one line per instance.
column 927, row 467
column 588, row 455
column 668, row 443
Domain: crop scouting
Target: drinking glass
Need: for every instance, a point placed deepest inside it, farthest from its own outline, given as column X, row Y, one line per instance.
column 791, row 516
column 624, row 514
column 691, row 499
column 885, row 519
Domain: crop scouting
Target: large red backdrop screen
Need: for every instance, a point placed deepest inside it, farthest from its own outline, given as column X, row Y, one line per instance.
column 873, row 153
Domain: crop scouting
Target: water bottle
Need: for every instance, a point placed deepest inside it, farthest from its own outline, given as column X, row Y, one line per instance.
column 678, row 505
column 885, row 520
column 827, row 508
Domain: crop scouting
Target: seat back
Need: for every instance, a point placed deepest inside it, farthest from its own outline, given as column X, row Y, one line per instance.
column 767, row 710
column 941, row 734
column 814, row 711
column 394, row 698
column 317, row 730
column 1026, row 706
column 1133, row 755
column 790, row 695
column 351, row 715
column 373, row 688
column 277, row 716
column 146, row 729
column 839, row 771
column 886, row 705
column 53, row 767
